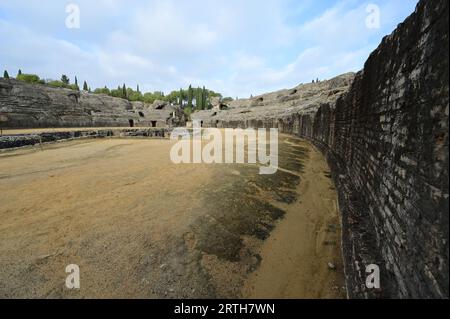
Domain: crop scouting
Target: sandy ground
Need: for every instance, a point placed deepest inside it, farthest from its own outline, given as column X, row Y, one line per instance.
column 295, row 257
column 140, row 226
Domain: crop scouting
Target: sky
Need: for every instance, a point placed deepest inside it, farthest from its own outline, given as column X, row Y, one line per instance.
column 236, row 47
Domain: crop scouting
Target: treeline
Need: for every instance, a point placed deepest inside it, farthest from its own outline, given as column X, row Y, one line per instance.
column 190, row 99
column 35, row 79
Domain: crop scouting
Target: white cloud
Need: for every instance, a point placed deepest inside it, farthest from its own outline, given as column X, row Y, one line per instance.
column 232, row 46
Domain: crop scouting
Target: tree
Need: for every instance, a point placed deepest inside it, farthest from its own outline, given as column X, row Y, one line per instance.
column 6, row 75
column 190, row 96
column 159, row 95
column 65, row 79
column 134, row 95
column 137, row 89
column 124, row 91
column 20, row 72
column 105, row 90
column 198, row 99
column 85, row 86
column 148, row 98
column 205, row 98
column 181, row 97
column 76, row 81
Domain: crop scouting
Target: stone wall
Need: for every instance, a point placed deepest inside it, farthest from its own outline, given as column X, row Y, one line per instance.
column 386, row 140
column 24, row 105
column 8, row 142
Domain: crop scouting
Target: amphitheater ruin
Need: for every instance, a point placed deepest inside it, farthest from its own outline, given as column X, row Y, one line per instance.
column 86, row 179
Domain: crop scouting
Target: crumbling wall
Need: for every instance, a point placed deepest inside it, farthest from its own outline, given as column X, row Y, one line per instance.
column 37, row 139
column 386, row 141
column 24, row 105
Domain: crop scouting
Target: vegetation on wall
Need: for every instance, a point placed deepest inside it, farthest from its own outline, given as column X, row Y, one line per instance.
column 190, row 99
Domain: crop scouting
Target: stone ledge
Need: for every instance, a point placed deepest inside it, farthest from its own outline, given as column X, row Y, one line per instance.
column 24, row 140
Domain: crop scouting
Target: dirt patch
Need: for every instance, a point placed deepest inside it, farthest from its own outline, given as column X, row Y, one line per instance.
column 140, row 226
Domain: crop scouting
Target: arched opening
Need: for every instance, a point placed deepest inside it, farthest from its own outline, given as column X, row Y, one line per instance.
column 141, row 114
column 153, row 123
column 131, row 123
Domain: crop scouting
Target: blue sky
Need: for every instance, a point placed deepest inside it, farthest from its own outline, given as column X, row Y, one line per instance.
column 237, row 47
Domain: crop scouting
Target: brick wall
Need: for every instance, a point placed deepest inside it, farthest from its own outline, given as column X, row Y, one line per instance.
column 387, row 144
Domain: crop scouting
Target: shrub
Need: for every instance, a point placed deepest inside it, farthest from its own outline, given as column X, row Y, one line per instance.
column 134, row 96
column 29, row 78
column 74, row 87
column 227, row 99
column 56, row 84
column 187, row 111
column 105, row 90
column 60, row 84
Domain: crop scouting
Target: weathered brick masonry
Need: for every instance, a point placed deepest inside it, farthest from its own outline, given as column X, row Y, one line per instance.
column 387, row 143
column 26, row 105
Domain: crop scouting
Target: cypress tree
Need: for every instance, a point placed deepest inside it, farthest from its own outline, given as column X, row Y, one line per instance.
column 181, row 97
column 6, row 75
column 85, row 86
column 137, row 89
column 124, row 91
column 76, row 81
column 198, row 99
column 204, row 99
column 20, row 72
column 190, row 96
